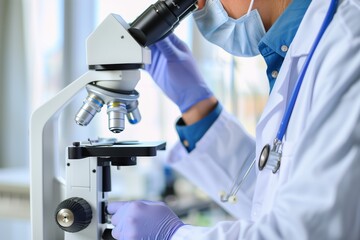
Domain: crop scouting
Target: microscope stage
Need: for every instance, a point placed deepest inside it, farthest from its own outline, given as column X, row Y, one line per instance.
column 115, row 149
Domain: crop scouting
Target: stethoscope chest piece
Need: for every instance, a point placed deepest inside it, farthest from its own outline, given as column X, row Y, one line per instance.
column 264, row 156
column 270, row 158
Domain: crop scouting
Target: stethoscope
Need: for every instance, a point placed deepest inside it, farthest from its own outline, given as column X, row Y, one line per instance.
column 270, row 157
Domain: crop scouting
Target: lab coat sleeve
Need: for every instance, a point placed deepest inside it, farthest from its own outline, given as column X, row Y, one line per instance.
column 216, row 160
column 321, row 198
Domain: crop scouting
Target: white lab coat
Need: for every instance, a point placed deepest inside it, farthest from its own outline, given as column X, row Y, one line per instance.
column 315, row 194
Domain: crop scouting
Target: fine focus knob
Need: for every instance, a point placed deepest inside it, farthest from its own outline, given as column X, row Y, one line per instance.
column 73, row 214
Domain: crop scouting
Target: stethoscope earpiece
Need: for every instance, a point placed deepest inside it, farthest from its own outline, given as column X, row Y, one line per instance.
column 226, row 198
column 232, row 199
column 223, row 196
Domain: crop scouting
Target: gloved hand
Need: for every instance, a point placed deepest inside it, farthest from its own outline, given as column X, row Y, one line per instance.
column 138, row 220
column 174, row 70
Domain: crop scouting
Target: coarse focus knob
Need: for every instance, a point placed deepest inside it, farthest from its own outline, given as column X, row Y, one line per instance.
column 73, row 214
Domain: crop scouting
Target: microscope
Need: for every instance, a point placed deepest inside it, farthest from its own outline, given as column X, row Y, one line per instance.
column 74, row 208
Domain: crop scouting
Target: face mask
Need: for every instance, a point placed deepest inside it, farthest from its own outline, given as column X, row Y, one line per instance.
column 239, row 37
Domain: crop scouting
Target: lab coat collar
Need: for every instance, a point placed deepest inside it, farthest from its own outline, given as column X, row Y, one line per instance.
column 300, row 47
column 314, row 17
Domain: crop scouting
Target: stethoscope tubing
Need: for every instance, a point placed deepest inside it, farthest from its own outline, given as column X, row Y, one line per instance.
column 286, row 118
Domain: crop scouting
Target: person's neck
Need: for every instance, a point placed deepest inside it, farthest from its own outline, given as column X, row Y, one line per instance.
column 271, row 11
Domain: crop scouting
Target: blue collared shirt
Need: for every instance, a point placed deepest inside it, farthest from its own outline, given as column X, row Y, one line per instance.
column 273, row 47
column 275, row 43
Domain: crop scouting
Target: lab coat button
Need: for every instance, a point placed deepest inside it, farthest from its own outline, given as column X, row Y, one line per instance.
column 255, row 211
column 186, row 143
column 284, row 48
column 274, row 74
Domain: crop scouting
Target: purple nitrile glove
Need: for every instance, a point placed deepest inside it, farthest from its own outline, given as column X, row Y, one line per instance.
column 174, row 70
column 137, row 220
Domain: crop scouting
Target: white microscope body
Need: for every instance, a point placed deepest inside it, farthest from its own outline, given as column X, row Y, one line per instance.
column 114, row 58
column 75, row 210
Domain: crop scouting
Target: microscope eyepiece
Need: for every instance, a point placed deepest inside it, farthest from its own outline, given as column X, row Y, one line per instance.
column 158, row 20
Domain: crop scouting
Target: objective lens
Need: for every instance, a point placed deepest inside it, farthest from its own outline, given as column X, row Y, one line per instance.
column 133, row 113
column 91, row 105
column 116, row 116
column 134, row 116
